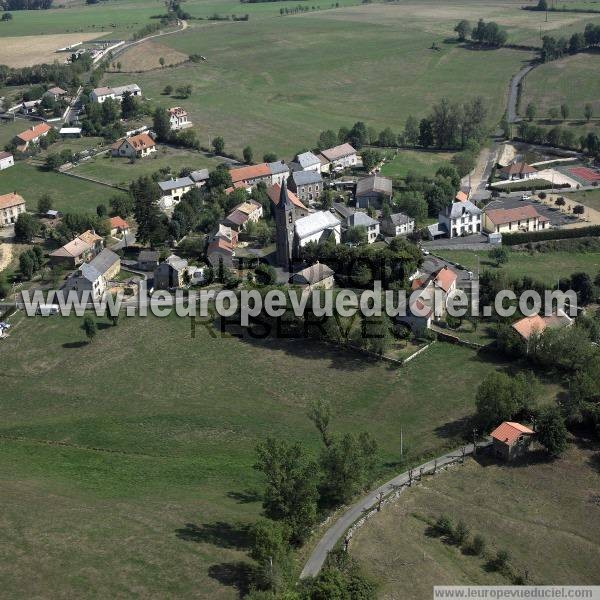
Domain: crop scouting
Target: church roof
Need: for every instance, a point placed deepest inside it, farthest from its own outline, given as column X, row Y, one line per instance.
column 317, row 221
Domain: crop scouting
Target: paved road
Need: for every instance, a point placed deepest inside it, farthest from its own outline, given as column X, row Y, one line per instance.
column 513, row 94
column 345, row 521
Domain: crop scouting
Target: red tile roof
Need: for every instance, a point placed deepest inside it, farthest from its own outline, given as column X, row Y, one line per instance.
column 273, row 192
column 502, row 216
column 118, row 223
column 12, row 199
column 526, row 326
column 444, row 278
column 34, row 132
column 141, row 141
column 509, row 432
column 250, row 172
column 518, row 168
column 220, row 244
column 461, row 196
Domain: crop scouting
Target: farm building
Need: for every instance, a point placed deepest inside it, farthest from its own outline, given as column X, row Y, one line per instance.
column 6, row 160
column 101, row 94
column 341, row 157
column 11, row 206
column 372, row 191
column 510, row 440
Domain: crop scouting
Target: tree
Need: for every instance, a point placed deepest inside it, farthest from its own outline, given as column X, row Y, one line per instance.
column 411, row 131
column 270, row 548
column 551, row 430
column 443, row 525
column 184, row 91
column 161, row 124
column 320, row 414
column 265, row 274
column 449, row 172
column 151, row 222
column 121, row 206
column 560, row 201
column 168, row 90
column 26, row 228
column 218, row 145
column 387, row 138
column 7, row 16
column 101, row 210
column 291, row 487
column 460, row 534
column 89, row 327
column 371, row 158
column 554, row 113
column 477, row 546
column 530, row 111
column 44, row 204
column 578, row 209
column 26, row 265
column 247, row 152
column 269, row 157
column 129, row 106
column 588, row 112
column 376, row 334
column 426, row 133
column 499, row 255
column 327, row 139
column 463, row 29
column 161, row 61
column 358, row 136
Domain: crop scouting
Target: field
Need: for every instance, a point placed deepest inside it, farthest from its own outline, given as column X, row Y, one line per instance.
column 109, row 449
column 120, row 171
column 25, row 50
column 419, row 163
column 573, row 81
column 545, row 267
column 544, row 513
column 133, row 60
column 68, row 194
column 591, row 198
column 9, row 129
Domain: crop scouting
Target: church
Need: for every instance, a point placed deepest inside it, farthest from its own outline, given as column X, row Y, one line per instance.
column 293, row 233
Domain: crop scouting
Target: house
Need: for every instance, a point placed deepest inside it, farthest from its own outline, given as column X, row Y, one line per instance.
column 11, row 206
column 251, row 175
column 171, row 273
column 457, row 219
column 173, row 190
column 29, row 107
column 317, row 276
column 372, row 191
column 518, row 170
column 226, row 233
column 136, row 146
column 520, row 218
column 429, row 294
column 6, row 160
column 32, row 136
column 306, row 161
column 279, row 172
column 462, row 195
column 510, row 440
column 220, row 252
column 101, row 94
column 94, row 276
column 148, row 260
column 178, row 118
column 199, row 177
column 536, row 324
column 292, row 232
column 342, row 210
column 72, row 253
column 341, row 157
column 197, row 275
column 397, row 224
column 361, row 219
column 118, row 227
column 307, row 185
column 242, row 214
column 274, row 192
column 56, row 93
column 93, row 239
column 325, row 164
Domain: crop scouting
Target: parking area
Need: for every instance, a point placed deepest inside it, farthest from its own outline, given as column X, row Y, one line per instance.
column 552, row 213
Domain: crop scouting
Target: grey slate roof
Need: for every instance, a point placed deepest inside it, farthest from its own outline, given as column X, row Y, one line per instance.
column 199, row 175
column 172, row 184
column 306, row 177
column 458, row 209
column 176, row 262
column 374, row 183
column 307, row 159
column 89, row 272
column 278, row 167
column 104, row 261
column 312, row 274
column 399, row 219
column 148, row 256
column 360, row 219
column 342, row 210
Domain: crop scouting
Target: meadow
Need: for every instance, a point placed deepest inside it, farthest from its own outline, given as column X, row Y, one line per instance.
column 540, row 511
column 546, row 267
column 130, row 458
column 589, row 198
column 417, row 162
column 68, row 194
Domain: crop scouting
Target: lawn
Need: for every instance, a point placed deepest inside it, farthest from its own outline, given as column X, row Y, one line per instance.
column 68, row 194
column 120, row 171
column 109, row 449
column 541, row 512
column 417, row 162
column 573, row 81
column 590, row 198
column 9, row 129
column 546, row 267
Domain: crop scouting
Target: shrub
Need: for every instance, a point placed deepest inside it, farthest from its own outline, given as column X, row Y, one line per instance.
column 460, row 534
column 477, row 546
column 443, row 525
column 513, row 239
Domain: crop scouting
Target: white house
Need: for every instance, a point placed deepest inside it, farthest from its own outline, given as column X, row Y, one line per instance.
column 11, row 206
column 199, row 177
column 361, row 219
column 94, row 275
column 279, row 172
column 6, row 160
column 101, row 94
column 178, row 118
column 397, row 224
column 136, row 146
column 307, row 161
column 457, row 219
column 341, row 157
column 173, row 190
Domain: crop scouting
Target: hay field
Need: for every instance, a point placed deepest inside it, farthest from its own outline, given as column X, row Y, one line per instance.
column 145, row 57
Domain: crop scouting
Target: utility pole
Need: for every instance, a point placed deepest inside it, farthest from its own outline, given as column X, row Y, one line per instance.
column 474, row 440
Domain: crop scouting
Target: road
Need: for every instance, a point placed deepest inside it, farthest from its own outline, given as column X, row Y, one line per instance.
column 355, row 512
column 513, row 94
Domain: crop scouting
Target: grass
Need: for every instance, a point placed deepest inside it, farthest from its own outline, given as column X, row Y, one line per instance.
column 418, row 162
column 9, row 129
column 108, row 449
column 590, row 198
column 120, row 171
column 520, row 508
column 68, row 194
column 545, row 267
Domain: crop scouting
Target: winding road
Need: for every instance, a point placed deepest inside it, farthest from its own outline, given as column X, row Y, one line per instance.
column 355, row 512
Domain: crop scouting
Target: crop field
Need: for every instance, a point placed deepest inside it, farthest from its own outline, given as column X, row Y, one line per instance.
column 546, row 267
column 417, row 162
column 522, row 508
column 68, row 194
column 121, row 172
column 130, row 458
column 573, row 81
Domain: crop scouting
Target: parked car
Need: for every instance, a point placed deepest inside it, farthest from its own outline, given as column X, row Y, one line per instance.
column 525, row 197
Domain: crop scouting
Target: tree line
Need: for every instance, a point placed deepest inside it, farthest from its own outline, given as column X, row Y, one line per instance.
column 25, row 4
column 555, row 48
column 486, row 34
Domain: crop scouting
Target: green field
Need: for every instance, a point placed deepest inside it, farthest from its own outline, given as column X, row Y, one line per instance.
column 545, row 267
column 539, row 512
column 416, row 162
column 110, row 448
column 69, row 194
column 590, row 198
column 120, row 171
column 9, row 129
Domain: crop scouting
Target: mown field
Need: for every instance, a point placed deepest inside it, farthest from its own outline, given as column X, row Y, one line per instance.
column 522, row 508
column 109, row 449
column 547, row 267
column 68, row 194
column 416, row 162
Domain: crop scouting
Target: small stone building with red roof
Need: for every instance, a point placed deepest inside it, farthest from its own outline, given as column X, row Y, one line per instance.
column 511, row 439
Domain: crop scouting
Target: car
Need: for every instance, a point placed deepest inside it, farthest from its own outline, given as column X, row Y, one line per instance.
column 525, row 197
